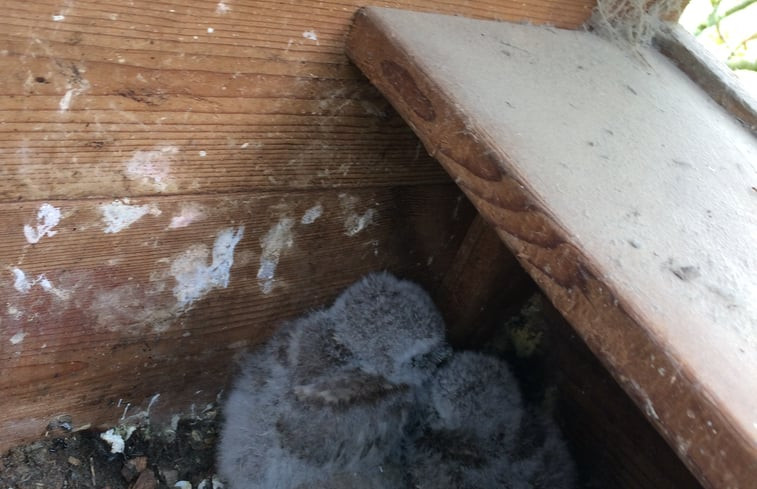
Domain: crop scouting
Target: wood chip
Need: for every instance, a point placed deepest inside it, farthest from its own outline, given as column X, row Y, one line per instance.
column 146, row 480
column 133, row 467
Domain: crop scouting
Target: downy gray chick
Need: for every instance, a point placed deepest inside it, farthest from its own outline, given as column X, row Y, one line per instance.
column 476, row 434
column 387, row 338
column 331, row 392
column 383, row 477
column 249, row 453
column 470, row 424
column 393, row 328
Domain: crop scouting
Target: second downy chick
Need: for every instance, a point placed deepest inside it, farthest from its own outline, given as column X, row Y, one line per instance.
column 471, row 411
column 475, row 433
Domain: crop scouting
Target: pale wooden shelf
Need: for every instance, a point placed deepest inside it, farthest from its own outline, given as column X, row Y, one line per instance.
column 622, row 188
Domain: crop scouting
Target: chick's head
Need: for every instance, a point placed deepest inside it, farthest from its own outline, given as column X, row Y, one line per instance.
column 477, row 394
column 391, row 326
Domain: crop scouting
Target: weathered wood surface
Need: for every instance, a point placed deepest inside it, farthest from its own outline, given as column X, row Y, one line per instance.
column 708, row 72
column 151, row 97
column 219, row 113
column 623, row 190
column 489, row 304
column 606, row 430
column 104, row 319
column 483, row 280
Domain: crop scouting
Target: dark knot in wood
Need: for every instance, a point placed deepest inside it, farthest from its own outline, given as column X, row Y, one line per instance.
column 404, row 83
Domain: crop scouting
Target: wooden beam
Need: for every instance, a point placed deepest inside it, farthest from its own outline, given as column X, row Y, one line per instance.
column 621, row 188
column 483, row 280
column 107, row 99
column 708, row 72
column 608, row 433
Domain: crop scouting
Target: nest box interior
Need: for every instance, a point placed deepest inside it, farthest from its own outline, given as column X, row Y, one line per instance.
column 180, row 178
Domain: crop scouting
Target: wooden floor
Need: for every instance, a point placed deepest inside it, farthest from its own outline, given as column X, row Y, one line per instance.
column 621, row 187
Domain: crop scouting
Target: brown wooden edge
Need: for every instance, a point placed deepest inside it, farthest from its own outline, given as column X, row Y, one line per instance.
column 702, row 432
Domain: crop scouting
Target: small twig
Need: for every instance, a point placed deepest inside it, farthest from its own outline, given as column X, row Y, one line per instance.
column 92, row 470
column 742, row 45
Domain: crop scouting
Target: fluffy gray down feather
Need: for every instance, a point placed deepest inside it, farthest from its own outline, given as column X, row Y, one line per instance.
column 473, row 433
column 366, row 394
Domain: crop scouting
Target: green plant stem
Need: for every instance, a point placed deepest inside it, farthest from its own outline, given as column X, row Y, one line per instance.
column 715, row 19
column 742, row 64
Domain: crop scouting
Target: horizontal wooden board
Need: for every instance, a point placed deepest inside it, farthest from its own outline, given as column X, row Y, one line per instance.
column 624, row 190
column 110, row 99
column 96, row 324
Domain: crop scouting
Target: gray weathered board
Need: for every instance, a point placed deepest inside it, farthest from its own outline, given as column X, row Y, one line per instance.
column 627, row 193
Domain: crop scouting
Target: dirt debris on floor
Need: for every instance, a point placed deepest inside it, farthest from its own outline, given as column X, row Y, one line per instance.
column 180, row 457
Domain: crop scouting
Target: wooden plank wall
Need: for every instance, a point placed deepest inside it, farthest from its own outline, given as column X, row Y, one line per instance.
column 177, row 177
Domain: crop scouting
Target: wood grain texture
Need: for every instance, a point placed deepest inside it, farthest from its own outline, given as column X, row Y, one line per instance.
column 103, row 320
column 108, row 99
column 613, row 443
column 608, row 433
column 483, row 280
column 691, row 372
column 214, row 115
